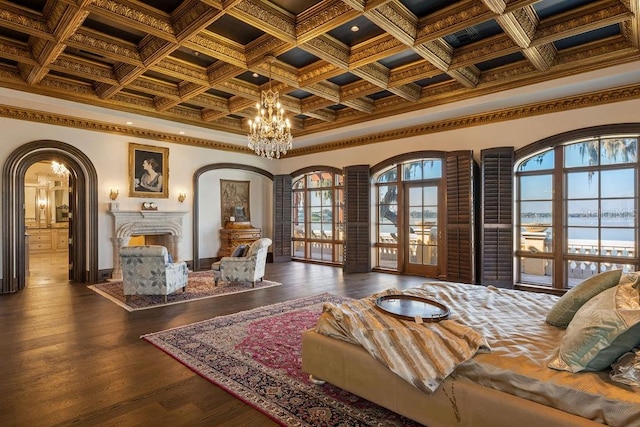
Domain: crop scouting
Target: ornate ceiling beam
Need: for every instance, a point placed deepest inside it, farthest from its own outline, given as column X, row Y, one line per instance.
column 218, row 47
column 65, row 20
column 208, row 101
column 409, row 73
column 191, row 17
column 322, row 18
column 331, row 50
column 219, row 72
column 105, row 46
column 25, row 21
column 587, row 18
column 358, row 89
column 410, row 92
column 267, row 17
column 144, row 18
column 326, row 90
column 265, row 45
column 483, row 50
column 324, row 114
column 375, row 73
column 366, row 105
column 15, row 51
column 452, row 19
column 440, row 54
column 631, row 28
column 375, row 49
column 318, row 71
column 155, row 87
column 84, row 68
column 396, row 19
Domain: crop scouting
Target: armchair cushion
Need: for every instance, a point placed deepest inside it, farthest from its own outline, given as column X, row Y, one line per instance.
column 249, row 268
column 146, row 270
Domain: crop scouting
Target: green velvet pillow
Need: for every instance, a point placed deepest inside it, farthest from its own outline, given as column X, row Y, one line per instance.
column 565, row 308
column 604, row 328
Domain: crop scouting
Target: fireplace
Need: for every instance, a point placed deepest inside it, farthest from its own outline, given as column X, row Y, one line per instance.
column 164, row 228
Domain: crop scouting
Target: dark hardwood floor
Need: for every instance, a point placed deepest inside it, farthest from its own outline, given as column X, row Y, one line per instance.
column 71, row 357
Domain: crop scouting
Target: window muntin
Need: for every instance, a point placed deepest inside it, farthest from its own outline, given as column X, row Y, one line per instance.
column 597, row 192
column 318, row 217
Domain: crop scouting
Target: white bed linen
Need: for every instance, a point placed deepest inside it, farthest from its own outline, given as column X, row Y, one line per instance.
column 522, row 344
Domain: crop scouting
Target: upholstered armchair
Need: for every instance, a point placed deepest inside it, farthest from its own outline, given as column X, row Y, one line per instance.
column 248, row 268
column 146, row 270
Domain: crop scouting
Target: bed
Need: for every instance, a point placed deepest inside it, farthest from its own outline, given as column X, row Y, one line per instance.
column 510, row 383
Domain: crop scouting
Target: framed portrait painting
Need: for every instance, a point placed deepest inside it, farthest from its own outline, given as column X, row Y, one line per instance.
column 234, row 200
column 148, row 171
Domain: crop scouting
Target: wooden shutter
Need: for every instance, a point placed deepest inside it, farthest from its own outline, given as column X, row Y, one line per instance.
column 282, row 223
column 497, row 217
column 460, row 239
column 357, row 246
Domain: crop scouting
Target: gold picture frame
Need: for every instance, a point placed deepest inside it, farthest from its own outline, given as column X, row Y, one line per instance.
column 148, row 171
column 234, row 200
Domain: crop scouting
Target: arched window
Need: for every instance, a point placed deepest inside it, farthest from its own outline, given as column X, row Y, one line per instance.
column 318, row 217
column 577, row 207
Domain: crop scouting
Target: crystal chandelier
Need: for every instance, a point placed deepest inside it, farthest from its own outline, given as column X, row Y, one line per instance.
column 59, row 169
column 270, row 133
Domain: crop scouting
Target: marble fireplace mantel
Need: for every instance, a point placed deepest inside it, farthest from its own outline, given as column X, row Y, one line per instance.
column 145, row 223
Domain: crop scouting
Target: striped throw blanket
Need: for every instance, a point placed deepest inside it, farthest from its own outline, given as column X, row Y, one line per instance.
column 423, row 354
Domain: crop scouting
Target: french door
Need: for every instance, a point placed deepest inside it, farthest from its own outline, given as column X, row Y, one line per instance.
column 421, row 239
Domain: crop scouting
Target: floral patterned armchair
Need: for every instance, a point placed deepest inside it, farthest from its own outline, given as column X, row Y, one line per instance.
column 146, row 270
column 248, row 268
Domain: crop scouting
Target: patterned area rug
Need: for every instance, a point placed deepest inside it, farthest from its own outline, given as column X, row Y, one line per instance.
column 200, row 285
column 256, row 356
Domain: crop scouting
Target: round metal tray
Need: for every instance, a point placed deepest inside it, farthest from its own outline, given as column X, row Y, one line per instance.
column 409, row 307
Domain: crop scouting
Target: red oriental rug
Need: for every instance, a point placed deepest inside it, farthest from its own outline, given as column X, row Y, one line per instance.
column 256, row 356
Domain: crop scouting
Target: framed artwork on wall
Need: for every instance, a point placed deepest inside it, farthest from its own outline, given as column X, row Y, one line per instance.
column 148, row 171
column 234, row 200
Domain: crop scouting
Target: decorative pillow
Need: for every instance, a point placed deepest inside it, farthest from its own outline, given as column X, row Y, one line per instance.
column 565, row 308
column 246, row 250
column 605, row 327
column 626, row 369
column 239, row 251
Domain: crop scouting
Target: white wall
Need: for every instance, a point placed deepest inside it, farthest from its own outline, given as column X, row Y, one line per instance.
column 110, row 155
column 516, row 133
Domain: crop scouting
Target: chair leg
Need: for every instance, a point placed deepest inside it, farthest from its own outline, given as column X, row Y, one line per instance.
column 165, row 299
column 184, row 289
column 253, row 284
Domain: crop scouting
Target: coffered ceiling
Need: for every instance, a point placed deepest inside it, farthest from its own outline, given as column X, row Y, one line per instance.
column 337, row 62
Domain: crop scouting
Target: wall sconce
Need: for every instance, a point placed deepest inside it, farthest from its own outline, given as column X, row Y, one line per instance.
column 113, row 194
column 182, row 197
column 42, row 205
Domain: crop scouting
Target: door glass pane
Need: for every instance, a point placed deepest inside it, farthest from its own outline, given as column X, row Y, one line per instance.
column 536, row 271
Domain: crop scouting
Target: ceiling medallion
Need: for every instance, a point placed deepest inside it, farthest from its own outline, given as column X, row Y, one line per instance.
column 59, row 169
column 270, row 133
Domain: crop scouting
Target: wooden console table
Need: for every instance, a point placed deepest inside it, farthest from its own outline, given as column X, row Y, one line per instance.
column 237, row 233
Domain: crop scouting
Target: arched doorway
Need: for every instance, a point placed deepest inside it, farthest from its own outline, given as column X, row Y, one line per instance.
column 83, row 229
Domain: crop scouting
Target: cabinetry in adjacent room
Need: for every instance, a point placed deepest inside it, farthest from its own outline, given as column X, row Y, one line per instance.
column 236, row 233
column 48, row 239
